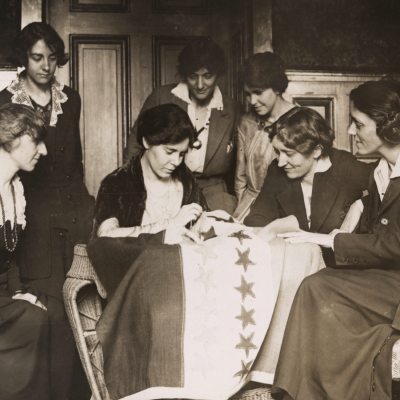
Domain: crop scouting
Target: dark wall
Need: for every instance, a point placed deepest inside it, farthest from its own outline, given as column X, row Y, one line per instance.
column 352, row 35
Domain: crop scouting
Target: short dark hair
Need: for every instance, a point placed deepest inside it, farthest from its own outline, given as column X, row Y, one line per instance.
column 165, row 124
column 17, row 120
column 31, row 34
column 201, row 53
column 303, row 129
column 264, row 71
column 380, row 100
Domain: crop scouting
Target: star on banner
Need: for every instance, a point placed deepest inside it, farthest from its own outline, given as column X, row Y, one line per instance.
column 206, row 252
column 209, row 234
column 246, row 343
column 208, row 306
column 202, row 363
column 205, row 278
column 246, row 317
column 245, row 289
column 244, row 259
column 240, row 236
column 207, row 337
column 245, row 369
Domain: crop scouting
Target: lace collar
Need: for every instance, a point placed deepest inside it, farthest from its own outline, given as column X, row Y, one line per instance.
column 20, row 205
column 17, row 89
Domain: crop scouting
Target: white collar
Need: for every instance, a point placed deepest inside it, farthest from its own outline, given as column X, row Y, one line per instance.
column 323, row 164
column 182, row 92
column 383, row 166
column 17, row 89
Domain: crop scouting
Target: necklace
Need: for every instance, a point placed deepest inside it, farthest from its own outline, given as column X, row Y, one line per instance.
column 14, row 234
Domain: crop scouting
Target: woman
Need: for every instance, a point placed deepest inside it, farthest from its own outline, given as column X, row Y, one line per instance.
column 154, row 191
column 36, row 342
column 214, row 115
column 349, row 316
column 309, row 179
column 58, row 204
column 264, row 83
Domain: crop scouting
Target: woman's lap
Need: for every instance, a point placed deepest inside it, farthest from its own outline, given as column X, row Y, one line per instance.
column 335, row 335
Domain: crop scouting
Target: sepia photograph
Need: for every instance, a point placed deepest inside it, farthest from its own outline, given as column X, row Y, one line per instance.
column 200, row 199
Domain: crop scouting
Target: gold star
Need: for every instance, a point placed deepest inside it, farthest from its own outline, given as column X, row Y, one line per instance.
column 205, row 278
column 245, row 369
column 240, row 235
column 209, row 234
column 246, row 343
column 245, row 289
column 246, row 317
column 206, row 252
column 244, row 259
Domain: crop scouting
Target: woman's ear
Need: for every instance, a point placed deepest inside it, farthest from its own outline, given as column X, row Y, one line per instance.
column 317, row 151
column 145, row 144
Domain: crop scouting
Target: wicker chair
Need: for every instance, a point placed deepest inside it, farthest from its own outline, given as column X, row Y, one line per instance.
column 83, row 296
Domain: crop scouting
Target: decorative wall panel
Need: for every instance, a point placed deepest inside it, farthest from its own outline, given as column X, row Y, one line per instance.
column 100, row 73
column 346, row 35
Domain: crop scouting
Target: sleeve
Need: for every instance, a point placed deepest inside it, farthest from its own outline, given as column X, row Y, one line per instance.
column 13, row 279
column 107, row 203
column 110, row 228
column 133, row 148
column 367, row 250
column 266, row 207
column 240, row 176
column 229, row 176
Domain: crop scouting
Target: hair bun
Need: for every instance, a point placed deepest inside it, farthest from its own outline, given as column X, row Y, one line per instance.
column 389, row 128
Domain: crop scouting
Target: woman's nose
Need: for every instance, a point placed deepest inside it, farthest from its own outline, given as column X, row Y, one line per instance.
column 253, row 99
column 282, row 161
column 42, row 150
column 200, row 83
column 175, row 159
column 352, row 129
column 46, row 64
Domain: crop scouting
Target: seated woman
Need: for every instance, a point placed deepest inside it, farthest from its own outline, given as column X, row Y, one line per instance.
column 36, row 343
column 309, row 179
column 154, row 191
column 214, row 116
column 344, row 320
column 264, row 82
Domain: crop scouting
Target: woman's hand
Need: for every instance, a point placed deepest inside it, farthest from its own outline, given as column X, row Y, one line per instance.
column 187, row 213
column 180, row 235
column 309, row 237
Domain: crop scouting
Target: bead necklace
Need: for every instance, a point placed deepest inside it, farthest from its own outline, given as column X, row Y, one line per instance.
column 15, row 231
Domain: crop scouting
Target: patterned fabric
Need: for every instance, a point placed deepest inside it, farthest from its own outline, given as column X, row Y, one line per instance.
column 44, row 111
column 17, row 88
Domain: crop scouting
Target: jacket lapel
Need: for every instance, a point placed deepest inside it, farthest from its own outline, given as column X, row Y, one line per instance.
column 179, row 102
column 219, row 123
column 392, row 192
column 323, row 198
column 292, row 202
column 63, row 121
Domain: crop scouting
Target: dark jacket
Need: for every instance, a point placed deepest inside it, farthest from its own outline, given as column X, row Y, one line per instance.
column 55, row 194
column 219, row 166
column 378, row 243
column 333, row 193
column 123, row 195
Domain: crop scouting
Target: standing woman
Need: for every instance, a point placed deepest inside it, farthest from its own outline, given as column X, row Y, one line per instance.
column 36, row 343
column 58, row 204
column 214, row 115
column 264, row 81
column 344, row 320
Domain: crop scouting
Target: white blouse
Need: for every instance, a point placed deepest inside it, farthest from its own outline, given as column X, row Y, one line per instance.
column 20, row 205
